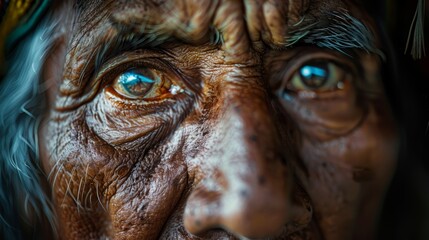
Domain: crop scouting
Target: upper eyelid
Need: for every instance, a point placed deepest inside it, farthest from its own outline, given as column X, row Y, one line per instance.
column 160, row 59
column 165, row 59
column 291, row 64
column 135, row 56
column 124, row 62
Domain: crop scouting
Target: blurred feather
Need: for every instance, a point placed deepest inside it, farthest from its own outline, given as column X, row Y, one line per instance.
column 418, row 47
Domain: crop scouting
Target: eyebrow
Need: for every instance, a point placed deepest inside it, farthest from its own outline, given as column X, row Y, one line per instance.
column 337, row 30
column 127, row 39
column 108, row 46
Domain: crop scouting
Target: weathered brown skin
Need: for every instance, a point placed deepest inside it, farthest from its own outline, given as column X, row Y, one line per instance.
column 226, row 159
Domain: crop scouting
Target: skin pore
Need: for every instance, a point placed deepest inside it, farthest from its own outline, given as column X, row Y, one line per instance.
column 227, row 137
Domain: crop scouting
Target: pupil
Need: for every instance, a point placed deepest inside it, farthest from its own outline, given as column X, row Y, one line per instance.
column 135, row 83
column 315, row 75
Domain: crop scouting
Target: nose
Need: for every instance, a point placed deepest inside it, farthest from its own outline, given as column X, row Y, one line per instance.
column 245, row 185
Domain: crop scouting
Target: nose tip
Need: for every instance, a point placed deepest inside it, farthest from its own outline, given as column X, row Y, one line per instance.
column 252, row 212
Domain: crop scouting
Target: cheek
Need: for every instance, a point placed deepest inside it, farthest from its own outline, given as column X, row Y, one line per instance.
column 367, row 155
column 121, row 192
column 348, row 176
column 145, row 200
column 76, row 165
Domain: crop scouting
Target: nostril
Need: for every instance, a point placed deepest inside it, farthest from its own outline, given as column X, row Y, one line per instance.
column 199, row 219
column 201, row 210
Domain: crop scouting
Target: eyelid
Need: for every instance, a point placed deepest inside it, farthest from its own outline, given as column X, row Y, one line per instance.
column 131, row 60
column 155, row 59
column 295, row 63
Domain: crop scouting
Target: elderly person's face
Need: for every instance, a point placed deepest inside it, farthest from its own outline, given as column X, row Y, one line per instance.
column 217, row 119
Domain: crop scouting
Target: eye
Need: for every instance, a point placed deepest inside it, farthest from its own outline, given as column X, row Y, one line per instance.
column 135, row 83
column 318, row 76
column 144, row 83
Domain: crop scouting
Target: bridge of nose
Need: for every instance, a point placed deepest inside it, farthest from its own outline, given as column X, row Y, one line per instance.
column 245, row 185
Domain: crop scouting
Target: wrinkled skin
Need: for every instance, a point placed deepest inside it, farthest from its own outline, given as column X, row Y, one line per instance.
column 232, row 155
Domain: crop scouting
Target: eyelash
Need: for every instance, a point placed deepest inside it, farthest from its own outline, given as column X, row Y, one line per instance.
column 290, row 66
column 106, row 75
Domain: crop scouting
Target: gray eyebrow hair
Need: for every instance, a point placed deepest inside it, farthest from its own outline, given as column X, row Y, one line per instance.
column 337, row 30
column 128, row 38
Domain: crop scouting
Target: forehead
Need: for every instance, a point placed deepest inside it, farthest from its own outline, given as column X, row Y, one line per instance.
column 102, row 29
column 153, row 7
column 193, row 20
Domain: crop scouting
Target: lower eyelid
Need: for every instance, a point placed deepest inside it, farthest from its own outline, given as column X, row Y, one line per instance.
column 141, row 105
column 164, row 85
column 123, row 123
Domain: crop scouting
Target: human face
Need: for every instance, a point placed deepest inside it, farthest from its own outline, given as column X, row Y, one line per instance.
column 278, row 130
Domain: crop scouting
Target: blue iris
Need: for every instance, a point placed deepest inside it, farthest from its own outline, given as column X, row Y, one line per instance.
column 132, row 81
column 313, row 71
column 315, row 75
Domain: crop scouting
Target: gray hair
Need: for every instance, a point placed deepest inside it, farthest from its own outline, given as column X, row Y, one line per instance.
column 23, row 202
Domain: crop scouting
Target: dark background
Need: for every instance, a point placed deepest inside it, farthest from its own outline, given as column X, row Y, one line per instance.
column 406, row 210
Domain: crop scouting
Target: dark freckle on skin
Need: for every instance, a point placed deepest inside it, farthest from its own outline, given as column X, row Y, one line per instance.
column 237, row 109
column 261, row 180
column 324, row 165
column 198, row 222
column 253, row 138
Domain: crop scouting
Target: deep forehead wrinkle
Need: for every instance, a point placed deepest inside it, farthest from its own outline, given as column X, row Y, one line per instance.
column 275, row 23
column 196, row 17
column 192, row 22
